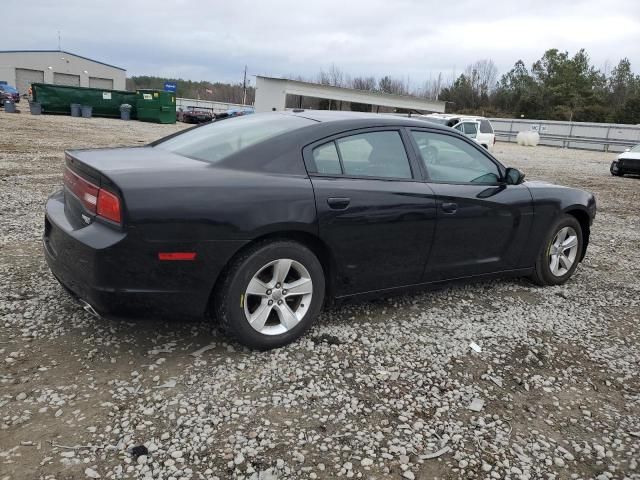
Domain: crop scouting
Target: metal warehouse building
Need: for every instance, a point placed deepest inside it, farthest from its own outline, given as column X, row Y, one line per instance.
column 21, row 68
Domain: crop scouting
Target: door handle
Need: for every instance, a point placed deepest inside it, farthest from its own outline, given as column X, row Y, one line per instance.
column 449, row 207
column 338, row 203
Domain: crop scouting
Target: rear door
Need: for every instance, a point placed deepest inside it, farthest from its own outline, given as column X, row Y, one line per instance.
column 375, row 213
column 483, row 223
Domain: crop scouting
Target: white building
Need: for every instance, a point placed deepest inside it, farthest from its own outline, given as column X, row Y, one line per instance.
column 21, row 68
column 271, row 95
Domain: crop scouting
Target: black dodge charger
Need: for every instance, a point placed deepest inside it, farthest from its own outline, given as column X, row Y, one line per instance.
column 258, row 220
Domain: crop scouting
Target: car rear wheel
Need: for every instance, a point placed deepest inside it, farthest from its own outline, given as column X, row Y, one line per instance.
column 560, row 255
column 271, row 294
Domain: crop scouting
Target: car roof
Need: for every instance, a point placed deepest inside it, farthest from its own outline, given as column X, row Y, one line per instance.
column 366, row 118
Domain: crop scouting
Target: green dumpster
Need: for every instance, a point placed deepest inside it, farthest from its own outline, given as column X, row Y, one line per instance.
column 58, row 99
column 156, row 106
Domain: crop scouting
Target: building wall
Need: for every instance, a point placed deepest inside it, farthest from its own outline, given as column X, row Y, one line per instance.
column 58, row 62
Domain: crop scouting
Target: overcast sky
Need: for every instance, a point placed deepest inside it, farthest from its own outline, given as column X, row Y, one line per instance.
column 213, row 40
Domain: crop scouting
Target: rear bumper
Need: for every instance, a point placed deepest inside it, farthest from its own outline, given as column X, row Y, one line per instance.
column 120, row 275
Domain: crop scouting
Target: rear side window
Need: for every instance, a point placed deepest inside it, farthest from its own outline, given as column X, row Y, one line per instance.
column 218, row 140
column 485, row 126
column 326, row 159
column 374, row 154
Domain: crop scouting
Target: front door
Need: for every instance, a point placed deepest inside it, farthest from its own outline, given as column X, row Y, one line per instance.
column 374, row 212
column 483, row 223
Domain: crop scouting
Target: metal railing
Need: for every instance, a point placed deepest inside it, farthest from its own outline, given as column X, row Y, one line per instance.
column 216, row 107
column 590, row 136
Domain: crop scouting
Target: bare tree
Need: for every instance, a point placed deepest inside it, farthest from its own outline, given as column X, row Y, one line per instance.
column 483, row 75
column 364, row 83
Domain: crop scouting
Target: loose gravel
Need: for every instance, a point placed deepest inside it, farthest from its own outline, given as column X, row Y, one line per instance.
column 386, row 389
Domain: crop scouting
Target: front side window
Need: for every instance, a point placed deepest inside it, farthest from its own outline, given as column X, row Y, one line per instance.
column 218, row 140
column 635, row 149
column 374, row 154
column 453, row 160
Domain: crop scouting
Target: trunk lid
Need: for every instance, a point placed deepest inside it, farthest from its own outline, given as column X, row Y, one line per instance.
column 117, row 169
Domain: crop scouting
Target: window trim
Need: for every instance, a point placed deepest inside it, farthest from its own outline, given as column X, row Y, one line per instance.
column 454, row 133
column 414, row 165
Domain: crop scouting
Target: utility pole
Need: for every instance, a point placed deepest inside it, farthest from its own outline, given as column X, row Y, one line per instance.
column 244, row 87
column 59, row 42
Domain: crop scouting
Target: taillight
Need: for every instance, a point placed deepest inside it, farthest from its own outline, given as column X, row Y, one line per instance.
column 93, row 198
column 86, row 191
column 108, row 206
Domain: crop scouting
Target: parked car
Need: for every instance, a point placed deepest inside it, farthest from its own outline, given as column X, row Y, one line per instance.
column 7, row 92
column 477, row 128
column 195, row 115
column 627, row 162
column 258, row 220
column 235, row 112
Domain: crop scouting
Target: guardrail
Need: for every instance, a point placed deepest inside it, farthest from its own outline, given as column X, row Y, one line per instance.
column 216, row 107
column 590, row 136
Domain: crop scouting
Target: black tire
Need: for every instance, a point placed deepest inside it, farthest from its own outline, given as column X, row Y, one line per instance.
column 229, row 297
column 615, row 170
column 542, row 274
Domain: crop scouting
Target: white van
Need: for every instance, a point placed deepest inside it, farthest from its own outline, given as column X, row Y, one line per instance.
column 478, row 128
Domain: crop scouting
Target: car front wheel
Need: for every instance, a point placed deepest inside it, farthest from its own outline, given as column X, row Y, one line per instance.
column 271, row 294
column 561, row 252
column 615, row 169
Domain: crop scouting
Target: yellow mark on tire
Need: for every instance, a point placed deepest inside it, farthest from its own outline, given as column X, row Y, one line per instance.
column 242, row 300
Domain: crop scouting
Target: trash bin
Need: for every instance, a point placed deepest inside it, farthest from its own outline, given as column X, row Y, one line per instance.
column 35, row 108
column 87, row 110
column 125, row 111
column 76, row 110
column 9, row 106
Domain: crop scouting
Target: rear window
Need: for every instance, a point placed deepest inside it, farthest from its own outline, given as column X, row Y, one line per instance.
column 485, row 126
column 218, row 140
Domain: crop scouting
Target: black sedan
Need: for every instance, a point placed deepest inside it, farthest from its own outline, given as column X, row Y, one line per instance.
column 259, row 220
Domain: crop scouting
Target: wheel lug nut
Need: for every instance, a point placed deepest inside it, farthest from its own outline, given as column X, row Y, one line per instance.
column 269, row 292
column 279, row 302
column 277, row 285
column 284, row 292
column 270, row 302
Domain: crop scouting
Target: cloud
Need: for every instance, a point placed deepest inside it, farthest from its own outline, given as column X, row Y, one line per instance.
column 414, row 39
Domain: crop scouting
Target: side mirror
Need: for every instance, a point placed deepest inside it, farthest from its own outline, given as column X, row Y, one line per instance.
column 513, row 176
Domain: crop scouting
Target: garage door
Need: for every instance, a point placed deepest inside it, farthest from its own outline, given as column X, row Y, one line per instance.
column 103, row 83
column 25, row 77
column 66, row 79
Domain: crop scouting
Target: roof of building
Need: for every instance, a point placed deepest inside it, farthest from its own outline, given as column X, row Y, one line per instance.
column 65, row 52
column 298, row 87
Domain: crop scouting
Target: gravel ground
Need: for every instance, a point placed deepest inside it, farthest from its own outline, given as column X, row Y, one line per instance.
column 375, row 390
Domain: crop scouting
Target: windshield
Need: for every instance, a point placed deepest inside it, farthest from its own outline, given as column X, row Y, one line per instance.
column 218, row 140
column 636, row 148
column 8, row 89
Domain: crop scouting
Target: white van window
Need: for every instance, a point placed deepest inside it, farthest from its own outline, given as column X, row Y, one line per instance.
column 485, row 126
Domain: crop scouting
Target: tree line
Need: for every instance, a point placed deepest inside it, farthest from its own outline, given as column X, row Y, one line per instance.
column 558, row 86
column 203, row 90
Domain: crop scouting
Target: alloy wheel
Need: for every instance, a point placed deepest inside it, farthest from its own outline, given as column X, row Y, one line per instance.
column 278, row 296
column 563, row 251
